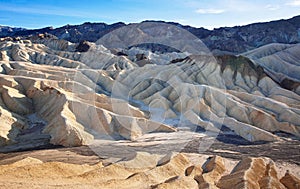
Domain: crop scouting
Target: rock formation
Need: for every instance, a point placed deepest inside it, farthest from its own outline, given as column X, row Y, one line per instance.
column 139, row 102
column 280, row 61
column 180, row 171
column 46, row 77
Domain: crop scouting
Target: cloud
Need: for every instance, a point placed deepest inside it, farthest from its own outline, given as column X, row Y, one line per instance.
column 294, row 3
column 210, row 11
column 231, row 6
column 272, row 7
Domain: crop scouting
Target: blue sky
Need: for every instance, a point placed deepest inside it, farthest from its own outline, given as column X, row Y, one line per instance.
column 200, row 13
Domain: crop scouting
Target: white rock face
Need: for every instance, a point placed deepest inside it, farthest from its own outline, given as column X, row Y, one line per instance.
column 94, row 94
column 280, row 60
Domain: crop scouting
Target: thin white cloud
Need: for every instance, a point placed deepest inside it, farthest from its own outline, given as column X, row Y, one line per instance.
column 294, row 3
column 240, row 5
column 272, row 7
column 210, row 11
column 232, row 6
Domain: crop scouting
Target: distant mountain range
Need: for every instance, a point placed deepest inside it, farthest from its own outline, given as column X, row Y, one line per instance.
column 236, row 39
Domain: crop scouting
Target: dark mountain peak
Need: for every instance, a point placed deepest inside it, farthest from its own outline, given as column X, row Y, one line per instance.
column 118, row 24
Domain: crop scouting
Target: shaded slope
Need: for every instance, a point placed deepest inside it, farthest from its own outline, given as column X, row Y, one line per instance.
column 281, row 62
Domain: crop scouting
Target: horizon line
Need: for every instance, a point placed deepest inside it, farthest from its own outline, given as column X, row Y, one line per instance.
column 149, row 20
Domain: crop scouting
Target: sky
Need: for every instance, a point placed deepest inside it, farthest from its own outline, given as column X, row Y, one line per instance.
column 198, row 13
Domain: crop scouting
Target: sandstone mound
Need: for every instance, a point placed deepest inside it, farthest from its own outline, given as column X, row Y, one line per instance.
column 182, row 170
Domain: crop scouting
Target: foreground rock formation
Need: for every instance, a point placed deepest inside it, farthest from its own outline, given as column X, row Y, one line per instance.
column 178, row 170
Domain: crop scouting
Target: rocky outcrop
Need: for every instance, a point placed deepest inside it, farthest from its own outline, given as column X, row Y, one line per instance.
column 254, row 173
column 83, row 46
column 290, row 181
column 246, row 174
column 179, row 171
column 213, row 170
column 270, row 179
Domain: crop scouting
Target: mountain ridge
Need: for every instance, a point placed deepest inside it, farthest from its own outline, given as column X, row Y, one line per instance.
column 237, row 39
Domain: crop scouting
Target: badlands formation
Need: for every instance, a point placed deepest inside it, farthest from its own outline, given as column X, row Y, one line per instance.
column 148, row 171
column 55, row 93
